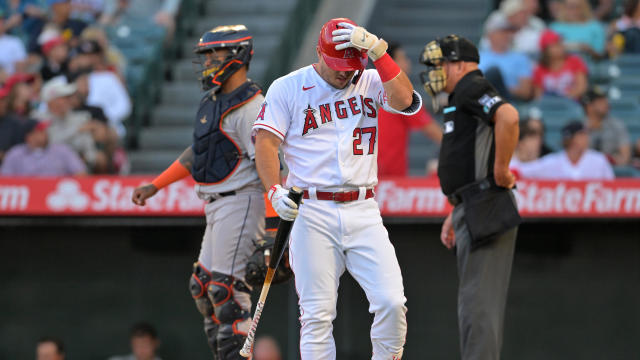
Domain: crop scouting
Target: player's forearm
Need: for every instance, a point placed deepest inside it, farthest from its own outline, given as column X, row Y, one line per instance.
column 396, row 84
column 399, row 91
column 506, row 135
column 186, row 158
column 267, row 161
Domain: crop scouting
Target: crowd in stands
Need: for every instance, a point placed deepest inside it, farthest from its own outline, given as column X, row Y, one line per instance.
column 541, row 52
column 63, row 94
column 144, row 343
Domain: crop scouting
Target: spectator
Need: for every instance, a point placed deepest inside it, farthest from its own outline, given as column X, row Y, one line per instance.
column 21, row 94
column 13, row 55
column 530, row 26
column 529, row 145
column 635, row 160
column 628, row 28
column 509, row 71
column 608, row 135
column 107, row 136
column 575, row 162
column 144, row 343
column 394, row 129
column 521, row 14
column 105, row 88
column 50, row 348
column 21, row 16
column 164, row 13
column 534, row 123
column 36, row 157
column 266, row 348
column 72, row 128
column 87, row 10
column 558, row 73
column 56, row 54
column 581, row 32
column 11, row 132
column 58, row 24
column 114, row 60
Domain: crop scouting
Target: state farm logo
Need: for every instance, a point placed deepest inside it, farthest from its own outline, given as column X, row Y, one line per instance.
column 68, row 195
column 14, row 197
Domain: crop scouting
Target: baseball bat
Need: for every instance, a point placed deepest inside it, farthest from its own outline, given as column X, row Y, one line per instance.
column 284, row 228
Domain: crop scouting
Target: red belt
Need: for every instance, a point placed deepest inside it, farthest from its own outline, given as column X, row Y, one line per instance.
column 340, row 196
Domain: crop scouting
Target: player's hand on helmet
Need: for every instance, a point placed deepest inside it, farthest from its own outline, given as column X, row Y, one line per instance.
column 286, row 208
column 359, row 38
column 142, row 193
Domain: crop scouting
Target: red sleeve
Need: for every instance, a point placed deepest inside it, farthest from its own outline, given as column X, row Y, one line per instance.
column 576, row 64
column 419, row 119
column 538, row 75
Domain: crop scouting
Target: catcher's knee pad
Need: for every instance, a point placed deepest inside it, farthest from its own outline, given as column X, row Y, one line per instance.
column 231, row 306
column 198, row 283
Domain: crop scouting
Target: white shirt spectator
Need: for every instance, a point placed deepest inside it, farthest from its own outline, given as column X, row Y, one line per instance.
column 107, row 92
column 592, row 165
column 12, row 50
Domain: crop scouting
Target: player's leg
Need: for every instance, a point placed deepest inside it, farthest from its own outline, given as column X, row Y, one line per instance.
column 237, row 222
column 371, row 260
column 318, row 262
column 483, row 283
column 198, row 284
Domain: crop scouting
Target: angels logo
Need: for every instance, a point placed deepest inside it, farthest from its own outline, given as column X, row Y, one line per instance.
column 350, row 53
column 309, row 120
column 68, row 195
column 261, row 113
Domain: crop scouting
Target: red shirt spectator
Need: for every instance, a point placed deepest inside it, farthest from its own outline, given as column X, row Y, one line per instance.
column 559, row 73
column 393, row 140
column 559, row 81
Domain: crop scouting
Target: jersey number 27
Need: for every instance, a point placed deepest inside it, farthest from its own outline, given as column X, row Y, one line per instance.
column 357, row 139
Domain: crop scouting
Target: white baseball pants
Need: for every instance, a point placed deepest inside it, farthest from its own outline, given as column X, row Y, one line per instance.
column 327, row 238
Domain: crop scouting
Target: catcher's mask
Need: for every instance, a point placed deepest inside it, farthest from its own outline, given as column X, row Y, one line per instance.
column 212, row 68
column 450, row 48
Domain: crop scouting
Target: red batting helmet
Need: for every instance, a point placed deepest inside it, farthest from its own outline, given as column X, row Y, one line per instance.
column 349, row 59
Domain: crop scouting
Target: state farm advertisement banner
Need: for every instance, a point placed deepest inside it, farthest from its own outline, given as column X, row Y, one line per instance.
column 94, row 196
column 400, row 197
column 536, row 199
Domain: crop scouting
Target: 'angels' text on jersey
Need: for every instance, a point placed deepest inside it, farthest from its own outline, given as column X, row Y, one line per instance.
column 329, row 135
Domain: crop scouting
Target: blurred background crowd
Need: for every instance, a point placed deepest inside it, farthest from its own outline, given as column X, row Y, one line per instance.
column 65, row 101
column 83, row 80
column 570, row 66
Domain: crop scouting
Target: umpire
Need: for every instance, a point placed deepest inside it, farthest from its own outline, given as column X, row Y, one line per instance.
column 480, row 135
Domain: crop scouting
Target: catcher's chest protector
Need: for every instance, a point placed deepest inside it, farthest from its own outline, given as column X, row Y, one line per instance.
column 216, row 156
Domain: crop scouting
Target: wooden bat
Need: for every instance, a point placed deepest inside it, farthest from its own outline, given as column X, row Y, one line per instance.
column 284, row 228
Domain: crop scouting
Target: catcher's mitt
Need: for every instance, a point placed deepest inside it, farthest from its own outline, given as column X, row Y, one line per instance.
column 257, row 265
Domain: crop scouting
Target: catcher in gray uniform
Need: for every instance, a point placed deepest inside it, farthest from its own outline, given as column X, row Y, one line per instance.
column 221, row 160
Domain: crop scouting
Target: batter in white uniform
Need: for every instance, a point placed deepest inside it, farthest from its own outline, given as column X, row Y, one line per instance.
column 324, row 117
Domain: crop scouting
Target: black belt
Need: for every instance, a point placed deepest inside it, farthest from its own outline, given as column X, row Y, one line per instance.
column 456, row 197
column 221, row 195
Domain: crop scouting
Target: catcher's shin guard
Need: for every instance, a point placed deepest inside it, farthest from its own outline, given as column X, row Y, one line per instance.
column 198, row 283
column 231, row 305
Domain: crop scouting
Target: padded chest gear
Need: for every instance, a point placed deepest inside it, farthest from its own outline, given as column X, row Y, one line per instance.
column 216, row 155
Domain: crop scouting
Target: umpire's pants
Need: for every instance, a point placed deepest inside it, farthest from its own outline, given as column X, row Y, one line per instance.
column 482, row 294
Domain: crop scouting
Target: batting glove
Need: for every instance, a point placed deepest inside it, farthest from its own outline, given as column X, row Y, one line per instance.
column 359, row 38
column 286, row 208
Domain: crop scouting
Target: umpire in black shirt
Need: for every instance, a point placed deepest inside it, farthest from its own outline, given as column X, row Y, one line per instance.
column 480, row 135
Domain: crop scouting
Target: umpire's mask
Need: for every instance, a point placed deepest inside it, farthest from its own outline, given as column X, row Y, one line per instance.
column 434, row 78
column 450, row 48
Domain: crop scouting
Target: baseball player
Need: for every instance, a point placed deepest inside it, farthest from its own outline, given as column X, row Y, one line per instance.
column 221, row 160
column 324, row 117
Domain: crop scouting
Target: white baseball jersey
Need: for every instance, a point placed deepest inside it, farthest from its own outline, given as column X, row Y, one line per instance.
column 311, row 117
